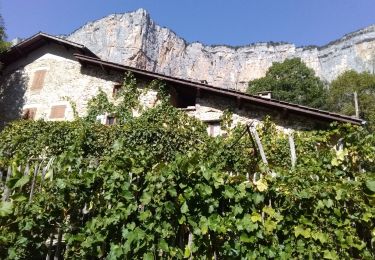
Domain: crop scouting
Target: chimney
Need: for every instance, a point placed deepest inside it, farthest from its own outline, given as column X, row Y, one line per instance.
column 265, row 94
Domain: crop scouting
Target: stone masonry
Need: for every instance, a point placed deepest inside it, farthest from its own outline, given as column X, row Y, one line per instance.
column 66, row 80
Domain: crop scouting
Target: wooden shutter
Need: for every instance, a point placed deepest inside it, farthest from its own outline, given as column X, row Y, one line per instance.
column 38, row 80
column 29, row 113
column 57, row 112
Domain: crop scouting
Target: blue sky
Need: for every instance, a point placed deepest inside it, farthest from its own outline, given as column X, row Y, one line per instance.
column 232, row 22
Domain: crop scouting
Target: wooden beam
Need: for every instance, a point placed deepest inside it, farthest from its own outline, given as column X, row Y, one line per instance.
column 104, row 69
column 239, row 102
column 284, row 113
column 199, row 94
column 18, row 50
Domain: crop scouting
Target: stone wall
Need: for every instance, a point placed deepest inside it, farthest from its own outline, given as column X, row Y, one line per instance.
column 66, row 80
column 12, row 91
column 210, row 109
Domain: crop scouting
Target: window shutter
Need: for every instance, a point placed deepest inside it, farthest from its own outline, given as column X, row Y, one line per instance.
column 57, row 112
column 29, row 113
column 38, row 80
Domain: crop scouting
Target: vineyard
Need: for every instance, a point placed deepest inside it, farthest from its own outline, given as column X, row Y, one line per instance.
column 158, row 187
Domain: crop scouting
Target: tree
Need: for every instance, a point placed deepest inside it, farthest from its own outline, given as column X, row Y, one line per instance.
column 291, row 81
column 4, row 45
column 340, row 98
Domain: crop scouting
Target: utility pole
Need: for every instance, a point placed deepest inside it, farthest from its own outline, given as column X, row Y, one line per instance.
column 356, row 104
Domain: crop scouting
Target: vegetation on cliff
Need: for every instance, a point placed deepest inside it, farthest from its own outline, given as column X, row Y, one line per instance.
column 341, row 95
column 291, row 81
column 4, row 45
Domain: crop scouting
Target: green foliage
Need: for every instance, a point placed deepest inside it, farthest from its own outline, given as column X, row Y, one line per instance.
column 226, row 120
column 157, row 186
column 144, row 195
column 99, row 105
column 26, row 140
column 4, row 45
column 155, row 131
column 126, row 100
column 291, row 81
column 340, row 98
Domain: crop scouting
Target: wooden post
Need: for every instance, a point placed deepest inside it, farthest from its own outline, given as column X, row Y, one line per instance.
column 57, row 255
column 190, row 242
column 356, row 104
column 259, row 144
column 45, row 170
column 49, row 254
column 212, row 247
column 33, row 182
column 293, row 156
column 6, row 189
column 27, row 170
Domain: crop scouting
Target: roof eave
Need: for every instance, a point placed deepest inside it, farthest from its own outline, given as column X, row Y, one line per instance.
column 19, row 50
column 298, row 109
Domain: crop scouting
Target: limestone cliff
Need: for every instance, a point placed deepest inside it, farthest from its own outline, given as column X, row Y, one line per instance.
column 134, row 39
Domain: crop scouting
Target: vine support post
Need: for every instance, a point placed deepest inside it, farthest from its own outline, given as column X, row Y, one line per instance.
column 27, row 169
column 44, row 171
column 254, row 132
column 6, row 188
column 292, row 146
column 57, row 255
column 33, row 182
column 49, row 254
column 190, row 242
column 356, row 104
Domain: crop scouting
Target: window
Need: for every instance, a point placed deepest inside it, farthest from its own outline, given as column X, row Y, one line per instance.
column 116, row 90
column 106, row 119
column 214, row 129
column 111, row 120
column 38, row 80
column 57, row 112
column 183, row 98
column 101, row 119
column 29, row 113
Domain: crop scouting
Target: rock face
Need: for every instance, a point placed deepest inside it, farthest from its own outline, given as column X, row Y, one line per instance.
column 134, row 39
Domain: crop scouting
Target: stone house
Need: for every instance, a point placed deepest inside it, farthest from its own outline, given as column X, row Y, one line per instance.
column 41, row 75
